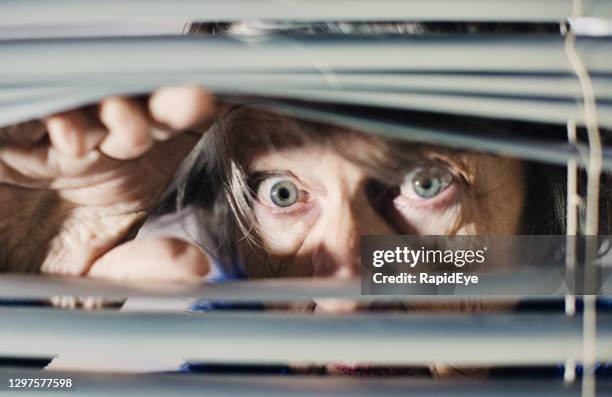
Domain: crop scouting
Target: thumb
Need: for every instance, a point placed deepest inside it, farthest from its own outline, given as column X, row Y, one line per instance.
column 153, row 259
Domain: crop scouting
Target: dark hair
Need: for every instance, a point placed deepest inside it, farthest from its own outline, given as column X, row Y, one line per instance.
column 260, row 27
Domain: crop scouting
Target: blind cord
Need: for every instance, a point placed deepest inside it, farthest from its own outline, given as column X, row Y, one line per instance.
column 594, row 167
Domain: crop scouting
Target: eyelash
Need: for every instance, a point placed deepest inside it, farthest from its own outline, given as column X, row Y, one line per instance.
column 441, row 200
column 437, row 202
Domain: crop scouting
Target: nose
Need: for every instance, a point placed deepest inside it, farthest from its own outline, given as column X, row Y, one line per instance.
column 343, row 222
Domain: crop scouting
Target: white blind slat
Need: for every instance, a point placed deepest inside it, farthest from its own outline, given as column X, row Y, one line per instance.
column 40, row 12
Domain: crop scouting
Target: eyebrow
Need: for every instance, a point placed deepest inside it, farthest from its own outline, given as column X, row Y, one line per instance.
column 402, row 157
column 391, row 170
column 257, row 176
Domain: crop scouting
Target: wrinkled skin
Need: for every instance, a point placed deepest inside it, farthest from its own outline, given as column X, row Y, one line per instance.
column 74, row 184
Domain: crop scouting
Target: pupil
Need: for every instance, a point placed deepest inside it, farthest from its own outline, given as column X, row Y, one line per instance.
column 283, row 193
column 426, row 184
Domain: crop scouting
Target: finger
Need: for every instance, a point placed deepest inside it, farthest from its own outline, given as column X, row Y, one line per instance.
column 23, row 133
column 154, row 259
column 129, row 128
column 74, row 133
column 336, row 305
column 42, row 166
column 87, row 303
column 64, row 302
column 220, row 110
column 29, row 166
column 180, row 108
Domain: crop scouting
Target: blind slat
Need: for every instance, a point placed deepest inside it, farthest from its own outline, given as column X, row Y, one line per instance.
column 539, row 87
column 27, row 286
column 31, row 12
column 265, row 338
column 22, row 286
column 80, row 59
column 471, row 71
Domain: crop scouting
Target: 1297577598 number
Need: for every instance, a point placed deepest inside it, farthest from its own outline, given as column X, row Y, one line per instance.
column 39, row 383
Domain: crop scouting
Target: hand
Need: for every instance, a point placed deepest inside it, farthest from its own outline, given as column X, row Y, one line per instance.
column 72, row 186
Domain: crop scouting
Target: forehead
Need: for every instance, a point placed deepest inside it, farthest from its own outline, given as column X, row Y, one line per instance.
column 269, row 140
column 253, row 131
column 254, row 135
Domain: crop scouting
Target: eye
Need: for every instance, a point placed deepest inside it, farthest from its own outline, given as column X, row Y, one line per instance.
column 284, row 193
column 280, row 192
column 427, row 182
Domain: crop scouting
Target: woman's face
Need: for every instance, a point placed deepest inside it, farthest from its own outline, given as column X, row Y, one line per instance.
column 312, row 204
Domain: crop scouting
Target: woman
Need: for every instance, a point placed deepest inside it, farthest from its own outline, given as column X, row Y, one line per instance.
column 289, row 198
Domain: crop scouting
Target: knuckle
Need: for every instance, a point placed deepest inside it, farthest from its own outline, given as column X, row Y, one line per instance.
column 187, row 258
column 195, row 104
column 127, row 123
